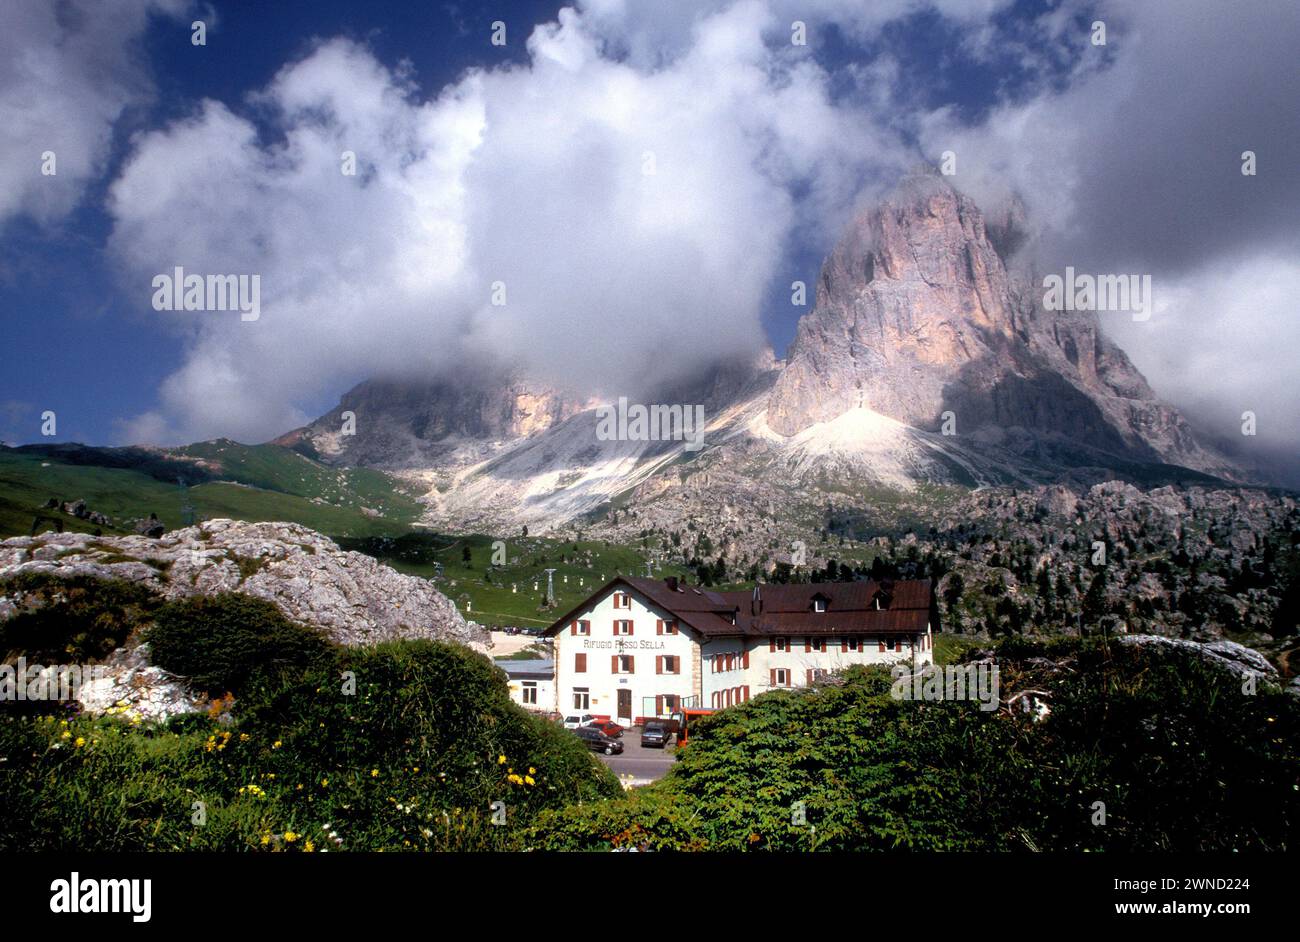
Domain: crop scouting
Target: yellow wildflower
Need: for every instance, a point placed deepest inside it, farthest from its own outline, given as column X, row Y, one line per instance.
column 290, row 837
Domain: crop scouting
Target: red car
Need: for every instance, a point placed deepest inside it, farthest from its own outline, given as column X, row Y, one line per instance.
column 608, row 727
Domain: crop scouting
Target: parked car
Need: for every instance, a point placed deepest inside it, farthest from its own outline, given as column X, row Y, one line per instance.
column 656, row 733
column 609, row 728
column 597, row 740
column 575, row 720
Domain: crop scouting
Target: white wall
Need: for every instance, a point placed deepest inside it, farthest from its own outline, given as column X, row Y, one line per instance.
column 545, row 693
column 644, row 645
column 797, row 661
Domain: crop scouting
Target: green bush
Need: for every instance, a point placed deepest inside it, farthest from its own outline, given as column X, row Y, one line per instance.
column 79, row 620
column 1180, row 757
column 229, row 643
column 425, row 752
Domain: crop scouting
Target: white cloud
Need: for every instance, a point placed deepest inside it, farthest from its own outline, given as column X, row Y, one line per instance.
column 1224, row 340
column 534, row 176
column 68, row 71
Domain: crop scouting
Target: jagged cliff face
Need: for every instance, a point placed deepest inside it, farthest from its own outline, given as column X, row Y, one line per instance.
column 917, row 316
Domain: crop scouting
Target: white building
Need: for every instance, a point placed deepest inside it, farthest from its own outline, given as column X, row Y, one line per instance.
column 641, row 648
column 531, row 682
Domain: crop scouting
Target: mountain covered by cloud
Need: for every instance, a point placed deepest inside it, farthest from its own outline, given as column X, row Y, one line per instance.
column 640, row 185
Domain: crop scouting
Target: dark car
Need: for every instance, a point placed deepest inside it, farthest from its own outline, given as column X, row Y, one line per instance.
column 656, row 733
column 597, row 740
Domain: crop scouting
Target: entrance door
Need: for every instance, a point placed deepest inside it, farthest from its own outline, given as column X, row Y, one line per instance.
column 625, row 706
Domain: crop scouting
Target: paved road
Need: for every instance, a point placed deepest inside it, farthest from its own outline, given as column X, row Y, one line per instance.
column 644, row 765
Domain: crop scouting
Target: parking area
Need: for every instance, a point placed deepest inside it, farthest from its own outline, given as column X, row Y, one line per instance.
column 635, row 765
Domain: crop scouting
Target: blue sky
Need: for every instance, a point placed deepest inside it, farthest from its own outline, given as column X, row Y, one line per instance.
column 481, row 161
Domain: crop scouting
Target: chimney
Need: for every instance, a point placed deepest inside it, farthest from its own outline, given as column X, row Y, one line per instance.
column 756, row 604
column 671, row 582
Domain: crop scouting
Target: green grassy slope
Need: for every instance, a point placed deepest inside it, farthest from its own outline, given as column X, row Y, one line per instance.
column 28, row 480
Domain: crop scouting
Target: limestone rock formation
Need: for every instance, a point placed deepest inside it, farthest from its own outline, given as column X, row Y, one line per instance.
column 353, row 598
column 917, row 316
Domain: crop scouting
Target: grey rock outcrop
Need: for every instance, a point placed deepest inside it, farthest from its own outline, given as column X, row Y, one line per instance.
column 917, row 316
column 1229, row 655
column 352, row 598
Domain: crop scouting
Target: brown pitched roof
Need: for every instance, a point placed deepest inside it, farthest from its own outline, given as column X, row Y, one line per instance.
column 787, row 609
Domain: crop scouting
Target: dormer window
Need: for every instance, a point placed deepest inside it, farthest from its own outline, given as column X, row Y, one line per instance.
column 819, row 605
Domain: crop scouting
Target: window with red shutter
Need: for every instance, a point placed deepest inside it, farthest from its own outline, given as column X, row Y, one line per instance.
column 613, row 663
column 659, row 664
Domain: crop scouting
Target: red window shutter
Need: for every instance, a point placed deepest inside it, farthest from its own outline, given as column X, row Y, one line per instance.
column 631, row 664
column 844, row 644
column 573, row 628
column 659, row 626
column 613, row 663
column 771, row 679
column 807, row 644
column 659, row 663
column 882, row 644
column 746, row 689
column 744, row 660
column 672, row 628
column 580, row 663
column 771, row 644
column 630, row 626
column 659, row 705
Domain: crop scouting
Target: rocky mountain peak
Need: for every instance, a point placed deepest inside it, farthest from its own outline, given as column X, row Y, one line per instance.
column 917, row 316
